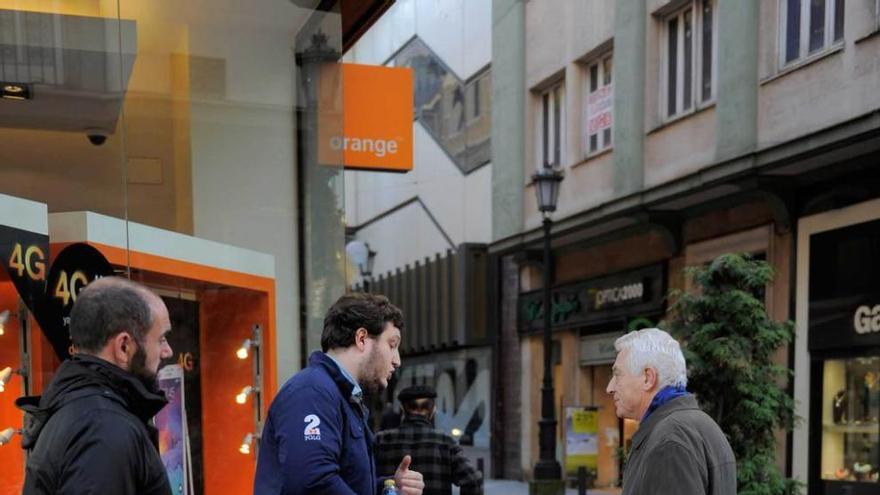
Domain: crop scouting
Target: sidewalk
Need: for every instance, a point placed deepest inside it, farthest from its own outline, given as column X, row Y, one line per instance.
column 508, row 487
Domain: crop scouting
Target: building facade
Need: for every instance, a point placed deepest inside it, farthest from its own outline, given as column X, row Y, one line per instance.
column 685, row 129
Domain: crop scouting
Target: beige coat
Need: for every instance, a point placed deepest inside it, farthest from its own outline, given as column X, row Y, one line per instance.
column 680, row 450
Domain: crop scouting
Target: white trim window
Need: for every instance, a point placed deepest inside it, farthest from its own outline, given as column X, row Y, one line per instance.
column 599, row 105
column 807, row 27
column 689, row 61
column 552, row 126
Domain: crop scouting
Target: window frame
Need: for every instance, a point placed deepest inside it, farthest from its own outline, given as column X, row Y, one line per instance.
column 604, row 138
column 696, row 100
column 831, row 40
column 553, row 130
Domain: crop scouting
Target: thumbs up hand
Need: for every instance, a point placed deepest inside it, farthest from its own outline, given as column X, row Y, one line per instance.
column 408, row 482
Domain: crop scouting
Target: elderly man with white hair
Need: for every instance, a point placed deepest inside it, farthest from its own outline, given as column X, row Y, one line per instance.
column 678, row 449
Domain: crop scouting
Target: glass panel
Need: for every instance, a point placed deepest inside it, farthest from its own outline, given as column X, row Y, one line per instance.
column 63, row 146
column 606, row 137
column 594, row 142
column 479, row 126
column 707, row 46
column 851, row 420
column 557, row 125
column 607, row 69
column 688, row 59
column 817, row 25
column 545, row 117
column 792, row 30
column 671, row 65
column 594, row 77
column 839, row 13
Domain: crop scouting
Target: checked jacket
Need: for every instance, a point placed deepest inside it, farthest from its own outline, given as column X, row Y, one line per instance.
column 434, row 454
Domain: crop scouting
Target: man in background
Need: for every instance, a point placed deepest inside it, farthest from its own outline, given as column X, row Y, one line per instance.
column 434, row 453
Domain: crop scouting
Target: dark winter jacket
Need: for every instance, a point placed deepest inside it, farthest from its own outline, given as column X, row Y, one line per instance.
column 434, row 454
column 316, row 439
column 680, row 450
column 89, row 433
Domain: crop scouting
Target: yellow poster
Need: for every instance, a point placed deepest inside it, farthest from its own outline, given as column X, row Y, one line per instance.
column 581, row 439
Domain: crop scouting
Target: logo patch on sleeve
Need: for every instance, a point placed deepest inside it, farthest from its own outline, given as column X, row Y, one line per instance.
column 312, row 432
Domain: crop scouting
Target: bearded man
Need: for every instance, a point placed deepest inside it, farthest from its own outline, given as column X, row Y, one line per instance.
column 317, row 438
column 90, row 431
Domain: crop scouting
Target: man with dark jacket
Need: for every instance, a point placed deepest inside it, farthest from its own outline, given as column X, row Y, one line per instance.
column 678, row 449
column 89, row 431
column 434, row 453
column 316, row 439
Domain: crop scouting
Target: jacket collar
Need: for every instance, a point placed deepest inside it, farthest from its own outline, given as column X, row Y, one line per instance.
column 143, row 400
column 682, row 403
column 325, row 362
column 83, row 376
column 416, row 420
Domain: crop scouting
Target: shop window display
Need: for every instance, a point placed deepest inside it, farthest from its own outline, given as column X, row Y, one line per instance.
column 851, row 420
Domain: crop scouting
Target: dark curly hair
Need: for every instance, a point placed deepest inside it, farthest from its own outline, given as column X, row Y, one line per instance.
column 357, row 310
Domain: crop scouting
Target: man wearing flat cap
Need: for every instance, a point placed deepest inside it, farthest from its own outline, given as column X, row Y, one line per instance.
column 434, row 453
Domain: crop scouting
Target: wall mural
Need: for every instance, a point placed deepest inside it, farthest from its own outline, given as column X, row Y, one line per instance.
column 456, row 113
column 463, row 383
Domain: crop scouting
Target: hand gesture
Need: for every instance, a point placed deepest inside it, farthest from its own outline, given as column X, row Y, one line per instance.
column 408, row 482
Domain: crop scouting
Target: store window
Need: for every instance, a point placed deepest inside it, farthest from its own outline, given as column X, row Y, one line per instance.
column 551, row 128
column 851, row 420
column 844, row 345
column 599, row 108
column 166, row 144
column 689, row 40
column 808, row 27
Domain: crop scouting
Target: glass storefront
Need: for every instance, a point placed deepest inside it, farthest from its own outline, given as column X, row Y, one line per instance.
column 177, row 141
column 851, row 420
column 844, row 344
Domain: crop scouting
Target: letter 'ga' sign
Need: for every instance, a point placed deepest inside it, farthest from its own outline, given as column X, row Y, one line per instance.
column 365, row 117
column 50, row 293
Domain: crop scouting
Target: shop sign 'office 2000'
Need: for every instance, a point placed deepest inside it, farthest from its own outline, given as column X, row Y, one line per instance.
column 597, row 300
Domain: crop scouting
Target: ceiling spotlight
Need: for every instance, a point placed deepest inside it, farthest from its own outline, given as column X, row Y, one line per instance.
column 15, row 91
column 7, row 434
column 242, row 351
column 246, row 444
column 242, row 396
column 4, row 317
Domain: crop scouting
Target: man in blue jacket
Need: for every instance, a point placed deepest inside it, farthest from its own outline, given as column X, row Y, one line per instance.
column 316, row 439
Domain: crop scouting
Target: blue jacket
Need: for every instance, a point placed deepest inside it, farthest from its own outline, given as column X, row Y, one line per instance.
column 316, row 439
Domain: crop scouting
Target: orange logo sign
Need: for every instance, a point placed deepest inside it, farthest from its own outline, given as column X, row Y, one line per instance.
column 365, row 117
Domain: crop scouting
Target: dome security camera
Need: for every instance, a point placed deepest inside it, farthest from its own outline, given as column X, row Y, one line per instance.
column 96, row 136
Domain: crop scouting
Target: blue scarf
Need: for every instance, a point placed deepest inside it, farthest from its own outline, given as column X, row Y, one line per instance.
column 663, row 396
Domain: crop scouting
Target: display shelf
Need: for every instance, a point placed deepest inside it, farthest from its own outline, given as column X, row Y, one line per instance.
column 867, row 428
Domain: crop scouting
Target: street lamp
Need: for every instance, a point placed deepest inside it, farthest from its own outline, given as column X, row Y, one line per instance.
column 361, row 255
column 547, row 469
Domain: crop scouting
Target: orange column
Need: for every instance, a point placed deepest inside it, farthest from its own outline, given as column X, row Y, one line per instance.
column 11, row 455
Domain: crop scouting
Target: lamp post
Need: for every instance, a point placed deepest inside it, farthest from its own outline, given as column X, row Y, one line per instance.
column 364, row 257
column 547, row 469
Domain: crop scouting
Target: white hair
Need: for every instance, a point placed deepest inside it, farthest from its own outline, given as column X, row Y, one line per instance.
column 654, row 348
